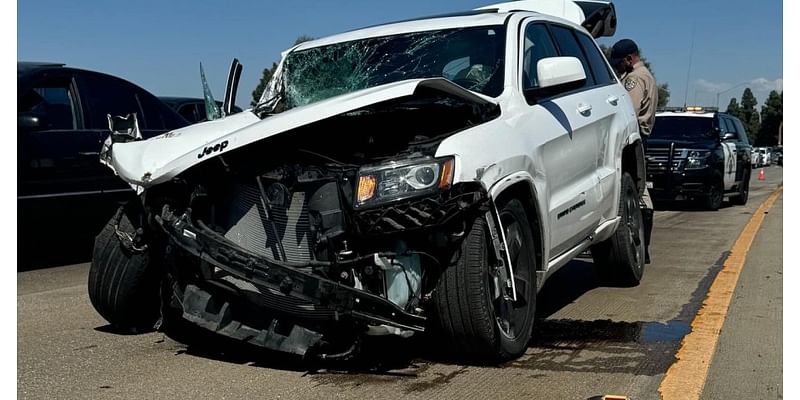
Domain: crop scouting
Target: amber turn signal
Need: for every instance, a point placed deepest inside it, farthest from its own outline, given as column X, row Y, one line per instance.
column 447, row 174
column 366, row 188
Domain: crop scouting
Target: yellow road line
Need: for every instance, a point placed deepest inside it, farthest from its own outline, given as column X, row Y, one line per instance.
column 687, row 376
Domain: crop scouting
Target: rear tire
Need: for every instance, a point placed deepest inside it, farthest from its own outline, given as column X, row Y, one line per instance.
column 475, row 321
column 620, row 258
column 713, row 200
column 744, row 192
column 123, row 286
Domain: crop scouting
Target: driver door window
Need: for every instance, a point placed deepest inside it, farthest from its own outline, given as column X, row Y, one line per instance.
column 538, row 45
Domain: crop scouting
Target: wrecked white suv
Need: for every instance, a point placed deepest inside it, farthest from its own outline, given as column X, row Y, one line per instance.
column 421, row 175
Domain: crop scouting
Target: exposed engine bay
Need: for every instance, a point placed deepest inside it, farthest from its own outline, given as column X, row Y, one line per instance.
column 310, row 233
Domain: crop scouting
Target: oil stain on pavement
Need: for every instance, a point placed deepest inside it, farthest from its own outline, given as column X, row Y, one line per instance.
column 639, row 348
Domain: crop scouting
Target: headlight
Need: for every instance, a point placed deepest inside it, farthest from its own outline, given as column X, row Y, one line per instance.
column 697, row 159
column 398, row 181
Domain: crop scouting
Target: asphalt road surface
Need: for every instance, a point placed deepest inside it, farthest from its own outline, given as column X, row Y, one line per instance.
column 591, row 340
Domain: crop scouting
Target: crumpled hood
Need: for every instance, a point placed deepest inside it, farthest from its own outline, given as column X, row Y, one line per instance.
column 156, row 160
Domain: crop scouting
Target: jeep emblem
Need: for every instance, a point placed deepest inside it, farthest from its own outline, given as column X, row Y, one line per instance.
column 211, row 149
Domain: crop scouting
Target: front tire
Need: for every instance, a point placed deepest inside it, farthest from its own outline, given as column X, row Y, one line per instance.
column 475, row 320
column 621, row 257
column 713, row 199
column 123, row 286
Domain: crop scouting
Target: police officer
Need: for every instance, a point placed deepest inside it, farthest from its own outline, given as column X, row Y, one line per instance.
column 641, row 86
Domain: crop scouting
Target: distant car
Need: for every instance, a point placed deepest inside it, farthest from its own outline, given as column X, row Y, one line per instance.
column 700, row 154
column 62, row 121
column 777, row 152
column 193, row 109
column 766, row 156
column 755, row 158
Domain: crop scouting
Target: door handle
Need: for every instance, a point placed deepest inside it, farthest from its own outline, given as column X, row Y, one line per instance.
column 612, row 100
column 584, row 109
column 89, row 153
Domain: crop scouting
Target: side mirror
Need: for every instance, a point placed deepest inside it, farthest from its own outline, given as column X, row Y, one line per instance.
column 728, row 136
column 124, row 129
column 555, row 71
column 28, row 122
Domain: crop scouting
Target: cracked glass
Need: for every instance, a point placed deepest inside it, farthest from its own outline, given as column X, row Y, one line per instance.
column 470, row 57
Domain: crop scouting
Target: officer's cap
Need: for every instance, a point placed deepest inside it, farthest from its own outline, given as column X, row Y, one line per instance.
column 622, row 49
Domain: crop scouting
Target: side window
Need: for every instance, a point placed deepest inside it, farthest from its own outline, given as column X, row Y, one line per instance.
column 602, row 74
column 568, row 46
column 151, row 116
column 108, row 95
column 188, row 111
column 730, row 127
column 54, row 100
column 538, row 45
column 741, row 131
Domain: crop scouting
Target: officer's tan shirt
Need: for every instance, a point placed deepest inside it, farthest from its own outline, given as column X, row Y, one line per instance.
column 641, row 86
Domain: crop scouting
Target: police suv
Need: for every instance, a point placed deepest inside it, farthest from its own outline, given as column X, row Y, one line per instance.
column 699, row 153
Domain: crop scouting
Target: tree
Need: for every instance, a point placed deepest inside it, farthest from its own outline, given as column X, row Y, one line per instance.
column 663, row 89
column 266, row 75
column 734, row 109
column 749, row 115
column 771, row 120
column 663, row 95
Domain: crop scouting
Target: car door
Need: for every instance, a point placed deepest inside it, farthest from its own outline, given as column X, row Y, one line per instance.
column 611, row 125
column 566, row 127
column 744, row 151
column 59, row 157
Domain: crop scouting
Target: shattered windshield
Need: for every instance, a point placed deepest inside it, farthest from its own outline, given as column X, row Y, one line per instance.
column 470, row 57
column 682, row 128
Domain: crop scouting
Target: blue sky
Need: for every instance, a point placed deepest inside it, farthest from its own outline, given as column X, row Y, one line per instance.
column 159, row 44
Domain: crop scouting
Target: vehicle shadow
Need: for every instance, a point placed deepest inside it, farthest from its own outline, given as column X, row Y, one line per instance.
column 566, row 285
column 56, row 232
column 686, row 205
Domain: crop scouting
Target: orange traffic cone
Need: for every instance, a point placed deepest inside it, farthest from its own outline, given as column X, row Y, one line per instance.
column 761, row 175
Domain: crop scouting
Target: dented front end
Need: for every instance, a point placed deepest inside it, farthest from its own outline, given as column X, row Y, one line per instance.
column 326, row 231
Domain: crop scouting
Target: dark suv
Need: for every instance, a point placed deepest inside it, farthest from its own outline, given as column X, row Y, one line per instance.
column 696, row 153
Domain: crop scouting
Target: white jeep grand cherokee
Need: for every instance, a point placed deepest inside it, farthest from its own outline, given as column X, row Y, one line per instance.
column 420, row 175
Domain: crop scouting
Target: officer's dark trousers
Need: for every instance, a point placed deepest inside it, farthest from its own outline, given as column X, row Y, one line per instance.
column 646, row 205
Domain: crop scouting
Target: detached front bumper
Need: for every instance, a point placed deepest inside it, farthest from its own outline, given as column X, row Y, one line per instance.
column 286, row 303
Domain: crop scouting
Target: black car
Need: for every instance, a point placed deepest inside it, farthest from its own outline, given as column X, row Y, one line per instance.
column 62, row 120
column 192, row 109
column 699, row 154
column 63, row 191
